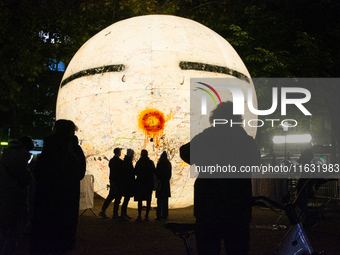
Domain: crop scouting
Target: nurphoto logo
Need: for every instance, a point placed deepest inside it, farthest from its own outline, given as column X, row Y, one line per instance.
column 242, row 96
column 238, row 99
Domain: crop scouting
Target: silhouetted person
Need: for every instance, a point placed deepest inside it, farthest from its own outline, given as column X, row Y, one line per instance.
column 222, row 203
column 58, row 172
column 163, row 174
column 306, row 159
column 145, row 169
column 15, row 178
column 116, row 165
column 127, row 183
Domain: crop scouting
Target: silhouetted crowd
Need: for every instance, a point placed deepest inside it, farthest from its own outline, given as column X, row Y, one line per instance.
column 54, row 184
column 222, row 206
column 128, row 181
column 44, row 194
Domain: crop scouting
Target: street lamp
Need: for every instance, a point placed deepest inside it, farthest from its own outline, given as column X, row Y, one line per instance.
column 292, row 139
column 299, row 141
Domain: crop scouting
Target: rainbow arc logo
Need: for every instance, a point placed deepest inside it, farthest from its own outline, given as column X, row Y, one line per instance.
column 207, row 91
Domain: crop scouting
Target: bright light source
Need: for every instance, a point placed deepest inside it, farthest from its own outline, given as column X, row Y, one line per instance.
column 293, row 139
column 4, row 143
column 95, row 101
column 299, row 138
column 279, row 139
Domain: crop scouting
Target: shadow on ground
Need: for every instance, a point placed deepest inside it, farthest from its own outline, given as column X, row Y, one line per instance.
column 98, row 236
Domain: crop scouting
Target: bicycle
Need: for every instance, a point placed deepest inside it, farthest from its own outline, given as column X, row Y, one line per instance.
column 183, row 230
column 295, row 241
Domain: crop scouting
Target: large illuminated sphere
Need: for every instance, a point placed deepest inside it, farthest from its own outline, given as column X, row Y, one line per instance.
column 129, row 86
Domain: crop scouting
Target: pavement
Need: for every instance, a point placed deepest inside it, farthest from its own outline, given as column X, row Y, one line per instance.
column 97, row 236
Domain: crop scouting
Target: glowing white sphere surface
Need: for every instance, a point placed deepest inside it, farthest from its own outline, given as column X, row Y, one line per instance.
column 129, row 86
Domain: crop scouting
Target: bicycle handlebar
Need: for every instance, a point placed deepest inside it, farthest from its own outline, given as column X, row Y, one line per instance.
column 276, row 204
column 180, row 228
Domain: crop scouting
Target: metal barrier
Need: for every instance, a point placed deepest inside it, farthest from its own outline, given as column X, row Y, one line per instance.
column 329, row 189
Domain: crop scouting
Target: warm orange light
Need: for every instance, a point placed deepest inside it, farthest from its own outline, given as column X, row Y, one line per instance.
column 152, row 122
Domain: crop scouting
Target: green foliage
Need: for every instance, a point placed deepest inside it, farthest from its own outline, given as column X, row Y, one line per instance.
column 286, row 38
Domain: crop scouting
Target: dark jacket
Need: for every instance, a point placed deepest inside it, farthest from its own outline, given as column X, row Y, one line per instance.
column 224, row 197
column 163, row 174
column 145, row 169
column 128, row 178
column 15, row 178
column 116, row 170
column 58, row 172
